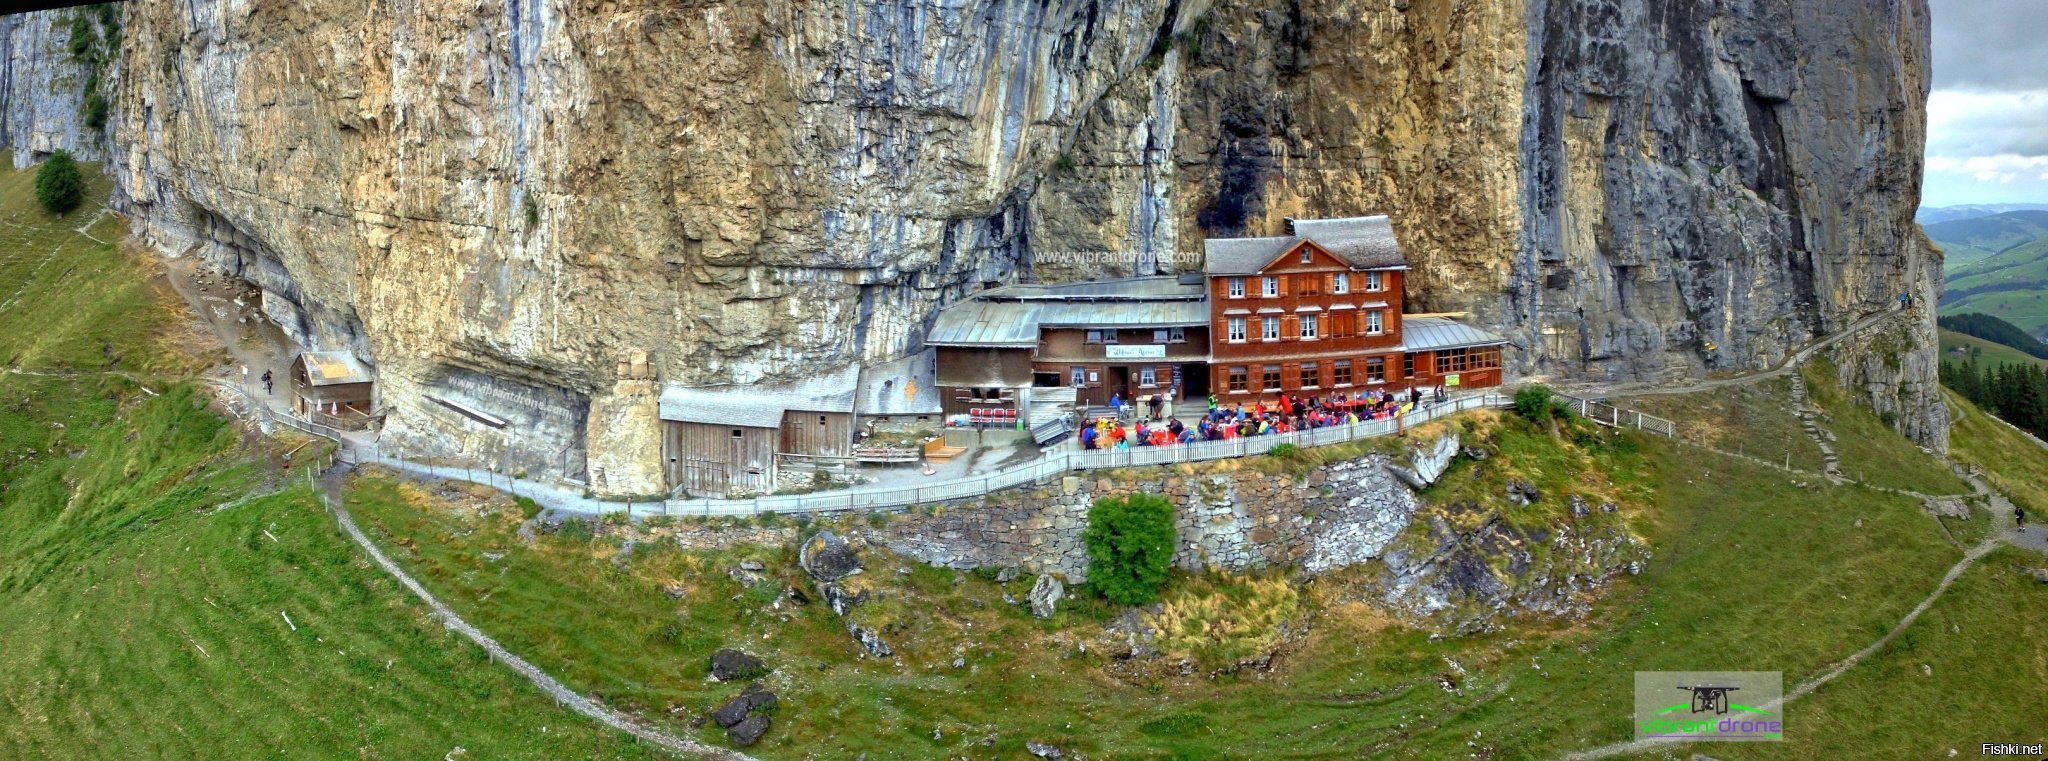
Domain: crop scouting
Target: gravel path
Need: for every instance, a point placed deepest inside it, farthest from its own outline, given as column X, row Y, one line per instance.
column 330, row 495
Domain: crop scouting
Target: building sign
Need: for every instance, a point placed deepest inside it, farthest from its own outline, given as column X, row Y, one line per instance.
column 1451, row 380
column 1141, row 351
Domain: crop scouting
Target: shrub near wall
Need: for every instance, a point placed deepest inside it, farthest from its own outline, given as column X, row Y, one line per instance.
column 1130, row 547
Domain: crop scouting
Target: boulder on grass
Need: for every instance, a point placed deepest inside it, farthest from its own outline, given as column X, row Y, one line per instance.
column 749, row 731
column 754, row 699
column 729, row 665
column 1045, row 595
column 827, row 557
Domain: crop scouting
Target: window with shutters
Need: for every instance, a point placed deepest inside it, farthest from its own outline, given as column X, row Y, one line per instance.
column 1270, row 379
column 1340, row 283
column 1237, row 288
column 1311, row 376
column 1373, row 323
column 1237, row 330
column 1340, row 372
column 1270, row 329
column 1239, row 378
column 1269, row 287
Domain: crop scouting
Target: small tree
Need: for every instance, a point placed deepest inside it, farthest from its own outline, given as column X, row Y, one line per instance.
column 59, row 186
column 1130, row 547
column 1534, row 403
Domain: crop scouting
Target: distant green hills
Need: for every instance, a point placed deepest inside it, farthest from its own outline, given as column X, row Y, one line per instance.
column 1997, row 265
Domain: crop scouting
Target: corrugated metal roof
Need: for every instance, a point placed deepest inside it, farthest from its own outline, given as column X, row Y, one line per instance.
column 328, row 368
column 1363, row 242
column 761, row 405
column 1431, row 333
column 905, row 386
column 1012, row 315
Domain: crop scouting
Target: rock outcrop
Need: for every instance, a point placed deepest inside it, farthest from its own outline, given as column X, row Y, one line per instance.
column 492, row 203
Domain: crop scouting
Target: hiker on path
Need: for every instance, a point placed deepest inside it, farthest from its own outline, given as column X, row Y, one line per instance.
column 2020, row 515
column 266, row 383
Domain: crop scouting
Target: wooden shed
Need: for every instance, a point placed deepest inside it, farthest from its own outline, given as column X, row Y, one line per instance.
column 718, row 440
column 331, row 383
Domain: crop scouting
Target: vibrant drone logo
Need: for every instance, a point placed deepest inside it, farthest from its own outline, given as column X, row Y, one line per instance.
column 1712, row 713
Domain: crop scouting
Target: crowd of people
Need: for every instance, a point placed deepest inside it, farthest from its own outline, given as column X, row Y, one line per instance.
column 1225, row 422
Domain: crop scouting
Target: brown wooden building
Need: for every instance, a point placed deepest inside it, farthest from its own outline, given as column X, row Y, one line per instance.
column 1321, row 310
column 723, row 439
column 333, row 384
column 1136, row 337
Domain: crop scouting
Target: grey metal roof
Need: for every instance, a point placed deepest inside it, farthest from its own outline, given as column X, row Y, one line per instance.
column 1431, row 333
column 761, row 405
column 1012, row 315
column 329, row 368
column 1363, row 242
column 1242, row 256
column 905, row 386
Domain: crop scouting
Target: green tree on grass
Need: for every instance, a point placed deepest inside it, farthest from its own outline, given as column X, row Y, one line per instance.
column 59, row 185
column 1130, row 547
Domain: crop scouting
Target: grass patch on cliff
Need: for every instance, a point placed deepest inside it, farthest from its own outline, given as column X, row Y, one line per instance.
column 1755, row 420
column 1870, row 450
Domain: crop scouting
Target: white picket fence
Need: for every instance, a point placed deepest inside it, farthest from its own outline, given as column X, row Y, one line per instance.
column 1615, row 417
column 1066, row 460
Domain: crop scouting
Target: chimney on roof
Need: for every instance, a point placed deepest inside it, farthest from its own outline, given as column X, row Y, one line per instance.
column 1290, row 225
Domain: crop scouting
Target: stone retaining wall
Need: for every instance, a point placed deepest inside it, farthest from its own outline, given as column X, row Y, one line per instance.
column 1230, row 517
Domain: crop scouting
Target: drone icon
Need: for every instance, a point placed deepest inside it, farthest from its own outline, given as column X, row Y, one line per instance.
column 1707, row 697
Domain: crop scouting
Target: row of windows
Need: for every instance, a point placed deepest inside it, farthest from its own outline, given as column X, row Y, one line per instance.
column 1310, row 375
column 1160, row 336
column 1460, row 360
column 1148, row 376
column 1311, row 284
column 1310, row 327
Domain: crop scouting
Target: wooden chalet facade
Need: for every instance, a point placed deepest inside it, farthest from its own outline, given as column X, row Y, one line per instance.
column 1136, row 337
column 1321, row 310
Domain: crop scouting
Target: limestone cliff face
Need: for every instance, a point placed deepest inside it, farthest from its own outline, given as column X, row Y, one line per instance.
column 42, row 87
column 495, row 202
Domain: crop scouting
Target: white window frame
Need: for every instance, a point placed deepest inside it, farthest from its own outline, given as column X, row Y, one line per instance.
column 1307, row 256
column 1108, row 336
column 1269, row 329
column 1093, row 337
column 1237, row 333
column 1236, row 288
column 1375, row 322
column 1159, row 335
column 1148, row 376
column 1309, row 325
column 1340, row 283
column 1375, row 281
column 1269, row 287
column 1078, row 377
column 1176, row 335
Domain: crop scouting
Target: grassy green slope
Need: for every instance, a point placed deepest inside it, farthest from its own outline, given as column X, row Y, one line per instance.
column 1751, row 571
column 1997, row 232
column 1957, row 255
column 143, row 602
column 1987, row 352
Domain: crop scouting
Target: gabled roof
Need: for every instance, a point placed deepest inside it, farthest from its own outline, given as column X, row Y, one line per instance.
column 1433, row 333
column 1363, row 242
column 330, row 368
column 761, row 405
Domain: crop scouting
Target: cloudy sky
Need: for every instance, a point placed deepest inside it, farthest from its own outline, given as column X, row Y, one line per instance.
column 1987, row 119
